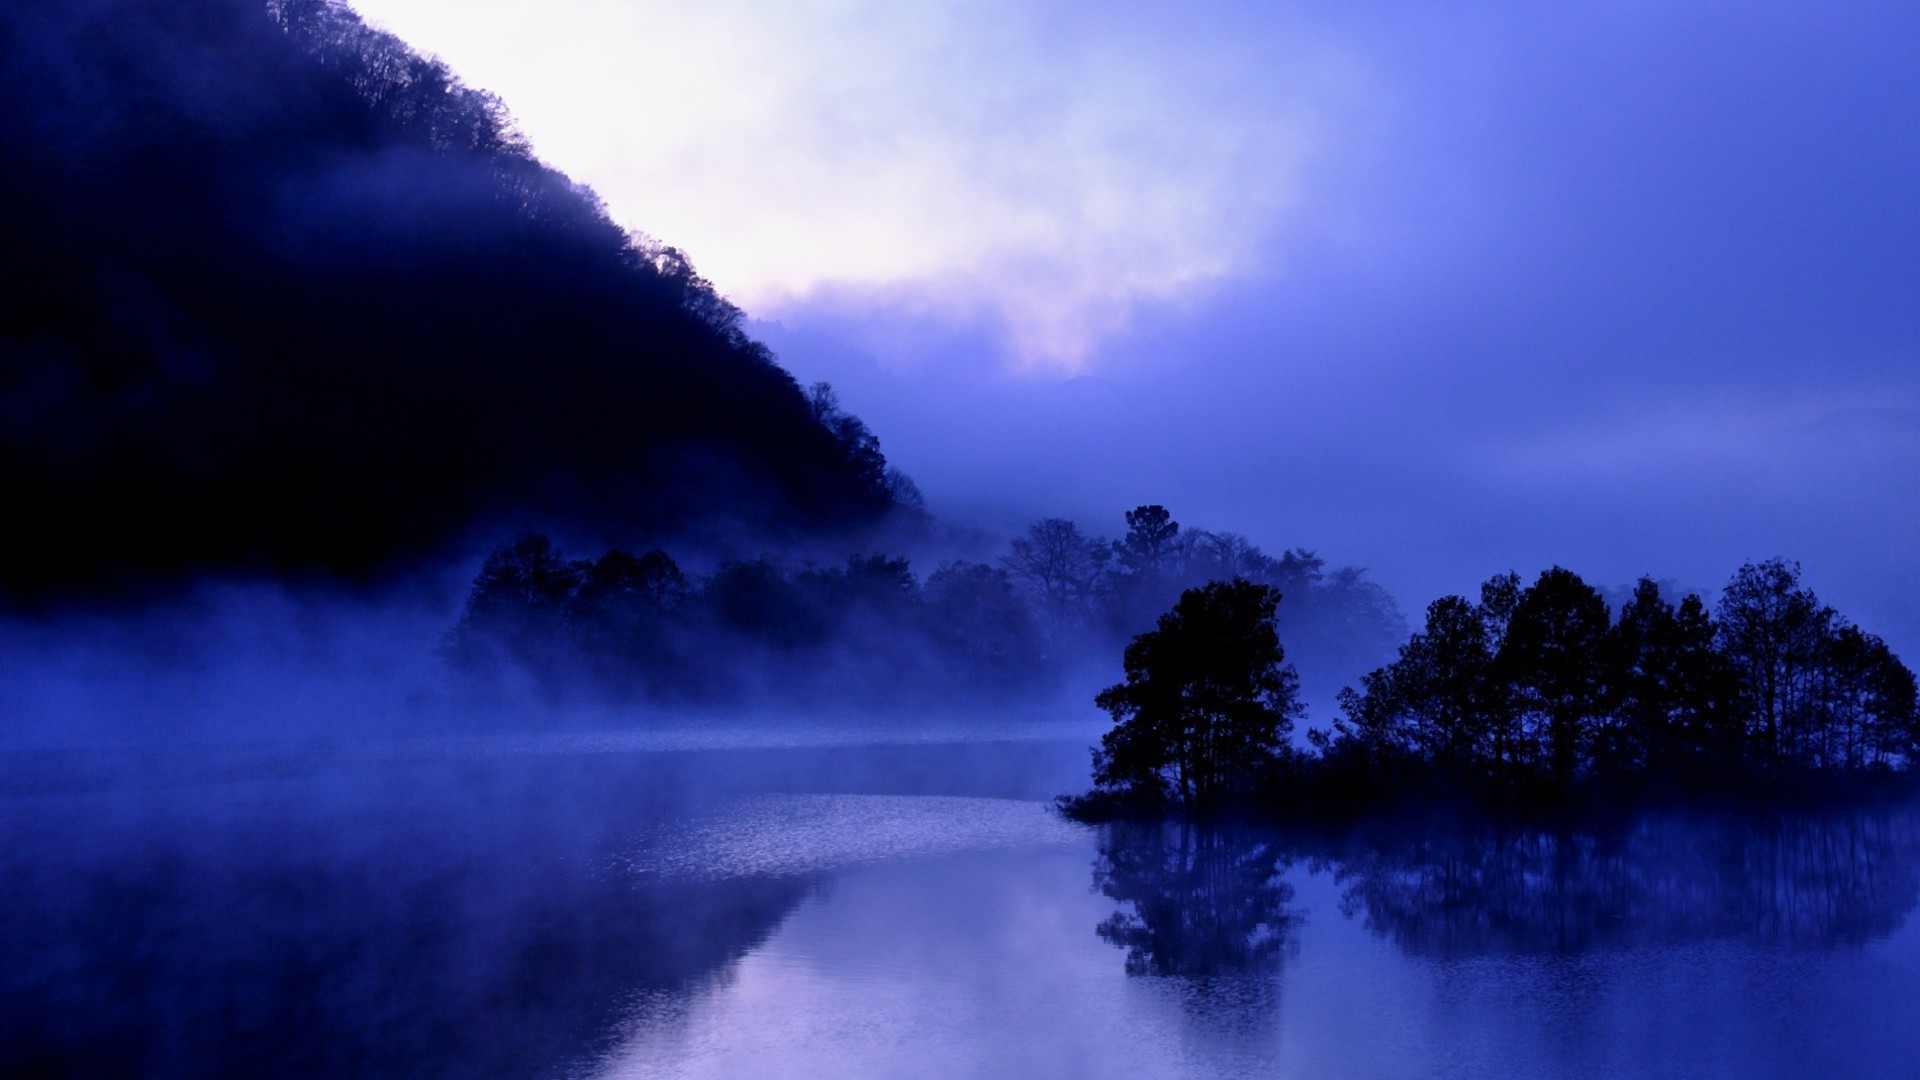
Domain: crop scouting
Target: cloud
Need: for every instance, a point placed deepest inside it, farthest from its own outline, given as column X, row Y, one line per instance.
column 1453, row 289
column 1041, row 169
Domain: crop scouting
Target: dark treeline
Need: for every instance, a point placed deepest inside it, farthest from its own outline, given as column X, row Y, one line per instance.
column 624, row 626
column 1338, row 619
column 1537, row 693
column 1545, row 685
column 283, row 295
column 637, row 626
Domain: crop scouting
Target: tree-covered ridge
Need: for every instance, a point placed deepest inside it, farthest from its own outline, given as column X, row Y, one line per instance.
column 637, row 626
column 1534, row 693
column 284, row 295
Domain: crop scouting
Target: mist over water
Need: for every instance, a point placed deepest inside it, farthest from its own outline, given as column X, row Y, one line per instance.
column 585, row 908
column 442, row 635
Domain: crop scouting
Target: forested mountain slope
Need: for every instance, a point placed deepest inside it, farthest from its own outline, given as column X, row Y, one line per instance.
column 278, row 294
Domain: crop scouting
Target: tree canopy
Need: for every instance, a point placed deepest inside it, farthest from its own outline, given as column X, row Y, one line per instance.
column 1208, row 705
column 1538, row 693
column 1543, row 688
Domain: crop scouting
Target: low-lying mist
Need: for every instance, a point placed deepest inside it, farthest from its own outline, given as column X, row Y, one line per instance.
column 971, row 637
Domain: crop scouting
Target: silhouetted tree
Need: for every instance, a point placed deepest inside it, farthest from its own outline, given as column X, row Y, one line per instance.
column 518, row 606
column 1540, row 682
column 1871, row 719
column 1059, row 566
column 528, row 574
column 627, row 617
column 973, row 611
column 880, row 584
column 903, row 490
column 1152, row 542
column 1550, row 660
column 619, row 584
column 1499, row 596
column 1208, row 703
column 1223, row 556
column 1674, row 695
column 1439, row 702
column 759, row 600
column 1774, row 631
column 1335, row 620
column 859, row 447
column 1147, row 572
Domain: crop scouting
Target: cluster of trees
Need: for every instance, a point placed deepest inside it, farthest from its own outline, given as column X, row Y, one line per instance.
column 637, row 625
column 1534, row 691
column 626, row 625
column 1208, row 705
column 1088, row 580
column 1542, row 684
column 1104, row 591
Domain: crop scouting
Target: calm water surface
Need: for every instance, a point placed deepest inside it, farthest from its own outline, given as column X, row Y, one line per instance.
column 594, row 908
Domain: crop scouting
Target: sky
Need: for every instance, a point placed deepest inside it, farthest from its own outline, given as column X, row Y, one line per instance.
column 1435, row 290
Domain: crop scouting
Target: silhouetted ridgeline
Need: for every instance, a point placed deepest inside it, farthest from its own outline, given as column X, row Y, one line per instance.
column 1532, row 695
column 625, row 625
column 282, row 294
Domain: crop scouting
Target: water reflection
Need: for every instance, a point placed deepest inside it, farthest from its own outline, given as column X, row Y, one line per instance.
column 1212, row 901
column 1797, row 880
column 420, row 922
column 1201, row 901
column 692, row 914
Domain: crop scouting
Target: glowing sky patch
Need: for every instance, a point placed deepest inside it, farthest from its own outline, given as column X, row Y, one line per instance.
column 1041, row 171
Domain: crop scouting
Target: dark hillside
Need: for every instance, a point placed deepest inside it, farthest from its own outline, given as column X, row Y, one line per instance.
column 278, row 294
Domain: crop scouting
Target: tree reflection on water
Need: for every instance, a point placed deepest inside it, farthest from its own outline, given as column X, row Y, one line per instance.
column 425, row 922
column 1799, row 880
column 1203, row 901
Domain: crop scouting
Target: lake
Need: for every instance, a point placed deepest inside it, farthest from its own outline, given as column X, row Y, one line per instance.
column 616, row 905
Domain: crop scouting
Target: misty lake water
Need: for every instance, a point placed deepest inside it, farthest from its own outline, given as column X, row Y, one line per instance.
column 598, row 906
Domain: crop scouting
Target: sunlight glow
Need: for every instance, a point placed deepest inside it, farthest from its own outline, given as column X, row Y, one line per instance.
column 968, row 161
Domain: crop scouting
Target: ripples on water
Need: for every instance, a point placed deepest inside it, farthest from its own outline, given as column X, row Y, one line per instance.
column 603, row 906
column 812, row 834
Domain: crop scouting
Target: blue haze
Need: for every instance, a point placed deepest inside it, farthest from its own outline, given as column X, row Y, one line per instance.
column 1633, row 288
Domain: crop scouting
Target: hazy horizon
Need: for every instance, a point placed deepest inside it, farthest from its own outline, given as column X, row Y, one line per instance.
column 1630, row 289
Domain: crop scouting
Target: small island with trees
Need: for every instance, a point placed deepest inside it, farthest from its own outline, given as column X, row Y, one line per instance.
column 1536, row 697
